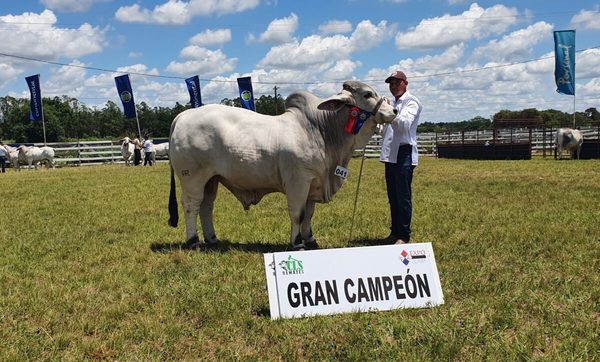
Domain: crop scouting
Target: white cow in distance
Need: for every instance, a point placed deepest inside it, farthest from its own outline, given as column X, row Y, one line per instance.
column 567, row 139
column 35, row 155
column 161, row 149
column 296, row 153
column 127, row 148
column 13, row 156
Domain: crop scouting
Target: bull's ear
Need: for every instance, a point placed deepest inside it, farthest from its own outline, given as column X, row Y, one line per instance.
column 331, row 105
column 336, row 102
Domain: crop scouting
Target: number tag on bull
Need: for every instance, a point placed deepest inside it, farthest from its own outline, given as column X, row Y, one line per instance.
column 341, row 172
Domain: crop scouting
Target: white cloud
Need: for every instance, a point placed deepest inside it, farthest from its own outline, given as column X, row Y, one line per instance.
column 211, row 37
column 335, row 27
column 516, row 45
column 177, row 12
column 173, row 12
column 587, row 19
column 39, row 37
column 367, row 35
column 317, row 51
column 587, row 64
column 68, row 80
column 9, row 71
column 280, row 31
column 447, row 61
column 202, row 61
column 447, row 30
column 70, row 6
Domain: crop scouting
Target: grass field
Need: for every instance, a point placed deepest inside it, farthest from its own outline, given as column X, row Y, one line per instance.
column 90, row 270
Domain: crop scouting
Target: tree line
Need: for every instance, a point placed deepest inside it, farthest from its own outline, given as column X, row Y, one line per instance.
column 67, row 119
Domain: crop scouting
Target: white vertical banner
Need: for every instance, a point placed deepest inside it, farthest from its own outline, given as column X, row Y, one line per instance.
column 330, row 281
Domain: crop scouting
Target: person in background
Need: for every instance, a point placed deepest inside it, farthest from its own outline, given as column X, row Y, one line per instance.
column 137, row 152
column 400, row 156
column 3, row 155
column 148, row 149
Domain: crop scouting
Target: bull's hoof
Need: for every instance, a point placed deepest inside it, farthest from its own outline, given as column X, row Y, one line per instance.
column 298, row 243
column 192, row 244
column 210, row 241
column 311, row 244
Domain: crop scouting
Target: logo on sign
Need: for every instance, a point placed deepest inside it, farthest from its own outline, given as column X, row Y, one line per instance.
column 246, row 95
column 414, row 256
column 292, row 266
column 125, row 96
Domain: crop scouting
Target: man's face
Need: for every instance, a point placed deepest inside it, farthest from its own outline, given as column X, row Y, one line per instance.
column 398, row 87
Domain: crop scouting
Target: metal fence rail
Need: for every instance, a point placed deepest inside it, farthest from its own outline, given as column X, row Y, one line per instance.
column 542, row 140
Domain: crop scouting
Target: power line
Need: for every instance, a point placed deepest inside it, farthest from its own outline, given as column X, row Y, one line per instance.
column 274, row 83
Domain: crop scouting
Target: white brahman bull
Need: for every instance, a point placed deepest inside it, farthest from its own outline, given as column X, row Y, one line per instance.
column 251, row 154
column 161, row 150
column 13, row 156
column 567, row 139
column 127, row 148
column 34, row 155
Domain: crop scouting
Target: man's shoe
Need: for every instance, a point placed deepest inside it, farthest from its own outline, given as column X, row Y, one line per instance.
column 390, row 239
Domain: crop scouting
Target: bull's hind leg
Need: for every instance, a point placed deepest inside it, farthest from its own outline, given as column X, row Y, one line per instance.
column 306, row 229
column 206, row 211
column 191, row 199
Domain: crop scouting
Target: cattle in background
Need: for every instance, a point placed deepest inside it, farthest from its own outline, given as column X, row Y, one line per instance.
column 35, row 155
column 567, row 139
column 161, row 149
column 296, row 153
column 127, row 148
column 13, row 156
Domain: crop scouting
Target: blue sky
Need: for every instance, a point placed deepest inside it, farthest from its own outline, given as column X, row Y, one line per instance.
column 457, row 54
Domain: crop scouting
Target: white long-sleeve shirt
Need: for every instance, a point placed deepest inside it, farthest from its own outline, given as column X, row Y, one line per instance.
column 403, row 129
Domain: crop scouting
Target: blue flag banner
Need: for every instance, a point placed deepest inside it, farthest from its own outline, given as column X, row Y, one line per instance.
column 35, row 106
column 126, row 95
column 564, row 55
column 193, row 85
column 246, row 95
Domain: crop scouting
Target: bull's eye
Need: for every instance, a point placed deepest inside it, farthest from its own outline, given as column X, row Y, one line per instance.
column 368, row 95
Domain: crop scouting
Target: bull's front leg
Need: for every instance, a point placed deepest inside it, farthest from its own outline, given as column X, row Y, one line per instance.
column 296, row 198
column 306, row 229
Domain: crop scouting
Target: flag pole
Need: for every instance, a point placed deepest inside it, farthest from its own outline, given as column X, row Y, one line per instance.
column 43, row 122
column 138, row 124
column 573, row 110
column 574, row 86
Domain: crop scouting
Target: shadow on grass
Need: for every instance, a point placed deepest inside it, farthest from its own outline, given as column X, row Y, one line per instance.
column 367, row 242
column 222, row 246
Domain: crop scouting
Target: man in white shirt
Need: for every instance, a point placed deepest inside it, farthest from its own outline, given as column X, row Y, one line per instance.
column 400, row 155
column 3, row 155
column 148, row 149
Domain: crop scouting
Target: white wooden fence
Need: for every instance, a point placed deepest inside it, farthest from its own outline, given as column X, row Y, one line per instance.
column 101, row 152
column 85, row 153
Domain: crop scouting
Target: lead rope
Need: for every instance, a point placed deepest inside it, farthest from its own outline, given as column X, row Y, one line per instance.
column 362, row 160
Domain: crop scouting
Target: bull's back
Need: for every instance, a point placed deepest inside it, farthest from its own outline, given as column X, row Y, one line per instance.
column 242, row 146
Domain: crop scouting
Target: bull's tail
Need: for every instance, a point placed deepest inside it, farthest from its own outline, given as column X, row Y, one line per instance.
column 173, row 211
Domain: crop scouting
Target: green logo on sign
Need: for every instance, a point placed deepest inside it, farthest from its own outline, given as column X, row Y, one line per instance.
column 291, row 266
column 246, row 95
column 125, row 96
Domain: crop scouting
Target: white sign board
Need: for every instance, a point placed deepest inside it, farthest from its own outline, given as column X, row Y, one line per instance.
column 329, row 281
